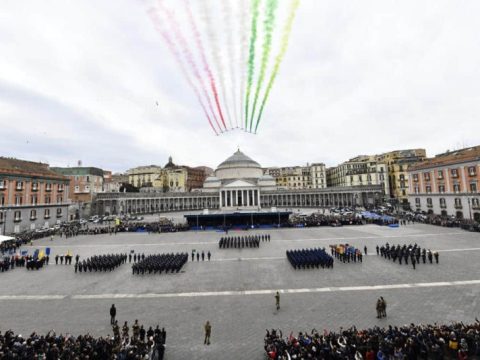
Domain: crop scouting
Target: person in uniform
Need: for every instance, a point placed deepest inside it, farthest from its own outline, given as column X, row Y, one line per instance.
column 277, row 300
column 113, row 313
column 208, row 332
column 209, row 255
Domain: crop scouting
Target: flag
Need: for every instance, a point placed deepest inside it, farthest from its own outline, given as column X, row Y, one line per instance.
column 47, row 251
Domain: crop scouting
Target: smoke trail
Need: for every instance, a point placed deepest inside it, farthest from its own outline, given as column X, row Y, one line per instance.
column 188, row 56
column 284, row 45
column 176, row 55
column 251, row 57
column 267, row 45
column 198, row 40
column 217, row 61
column 244, row 19
column 227, row 15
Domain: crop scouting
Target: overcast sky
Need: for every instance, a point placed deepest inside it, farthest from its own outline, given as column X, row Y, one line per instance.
column 79, row 80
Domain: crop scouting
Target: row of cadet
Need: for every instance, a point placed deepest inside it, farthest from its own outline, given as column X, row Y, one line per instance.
column 404, row 253
column 160, row 262
column 346, row 253
column 309, row 258
column 100, row 262
column 240, row 242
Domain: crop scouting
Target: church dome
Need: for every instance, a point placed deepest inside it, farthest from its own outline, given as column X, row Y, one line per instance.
column 238, row 159
column 239, row 166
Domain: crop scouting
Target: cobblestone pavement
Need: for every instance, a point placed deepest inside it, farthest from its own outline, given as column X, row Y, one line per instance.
column 235, row 290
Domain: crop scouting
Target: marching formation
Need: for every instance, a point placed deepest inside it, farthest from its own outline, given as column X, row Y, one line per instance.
column 346, row 253
column 240, row 242
column 100, row 263
column 309, row 258
column 404, row 253
column 160, row 262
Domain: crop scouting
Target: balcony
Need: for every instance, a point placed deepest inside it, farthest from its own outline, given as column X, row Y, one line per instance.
column 476, row 207
column 32, row 218
column 19, row 188
column 458, row 206
column 443, row 206
column 17, row 219
column 48, row 189
column 46, row 217
column 59, row 215
column 60, row 189
column 34, row 187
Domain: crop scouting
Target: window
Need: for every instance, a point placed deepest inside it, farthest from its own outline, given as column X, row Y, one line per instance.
column 416, row 190
column 88, row 178
column 417, row 202
column 2, row 200
column 473, row 187
column 3, row 184
column 456, row 187
column 19, row 185
column 472, row 171
column 402, row 177
column 60, row 187
column 77, row 188
column 426, row 176
column 87, row 188
column 475, row 203
column 1, row 216
column 441, row 189
column 429, row 202
column 17, row 216
column 428, row 189
column 458, row 202
column 454, row 173
column 59, row 199
column 48, row 187
column 34, row 186
column 440, row 174
column 18, row 200
column 59, row 212
column 33, row 214
column 47, row 199
column 47, row 213
column 443, row 203
column 34, row 200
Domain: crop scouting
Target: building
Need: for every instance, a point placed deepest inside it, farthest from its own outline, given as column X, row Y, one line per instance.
column 447, row 184
column 143, row 176
column 32, row 196
column 359, row 171
column 398, row 163
column 238, row 184
column 85, row 183
column 114, row 183
column 299, row 177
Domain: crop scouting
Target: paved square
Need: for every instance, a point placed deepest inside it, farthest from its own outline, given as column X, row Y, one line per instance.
column 235, row 291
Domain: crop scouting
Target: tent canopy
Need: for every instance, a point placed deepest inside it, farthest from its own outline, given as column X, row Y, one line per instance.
column 5, row 238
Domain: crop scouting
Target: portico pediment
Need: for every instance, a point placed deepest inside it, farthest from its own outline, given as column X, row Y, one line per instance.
column 238, row 184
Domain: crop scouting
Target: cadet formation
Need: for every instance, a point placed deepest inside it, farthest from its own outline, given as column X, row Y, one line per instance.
column 159, row 263
column 346, row 253
column 309, row 258
column 405, row 253
column 100, row 263
column 239, row 242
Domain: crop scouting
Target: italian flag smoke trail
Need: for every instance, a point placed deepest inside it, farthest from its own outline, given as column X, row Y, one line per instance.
column 278, row 60
column 188, row 56
column 244, row 19
column 198, row 41
column 178, row 58
column 251, row 57
column 267, row 45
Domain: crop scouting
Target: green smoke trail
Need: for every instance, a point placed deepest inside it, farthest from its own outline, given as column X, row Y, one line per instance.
column 267, row 45
column 251, row 56
column 283, row 49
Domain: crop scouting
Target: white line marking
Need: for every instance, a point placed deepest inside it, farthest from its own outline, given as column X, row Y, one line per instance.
column 215, row 243
column 241, row 292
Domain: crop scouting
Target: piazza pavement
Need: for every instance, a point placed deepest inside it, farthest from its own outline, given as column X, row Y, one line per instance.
column 235, row 290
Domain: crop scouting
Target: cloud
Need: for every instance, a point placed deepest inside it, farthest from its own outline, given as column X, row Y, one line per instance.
column 81, row 80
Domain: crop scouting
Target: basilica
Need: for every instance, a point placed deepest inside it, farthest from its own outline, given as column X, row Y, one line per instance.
column 238, row 184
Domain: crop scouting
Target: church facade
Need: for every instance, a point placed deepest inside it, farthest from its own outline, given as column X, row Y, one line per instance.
column 238, row 184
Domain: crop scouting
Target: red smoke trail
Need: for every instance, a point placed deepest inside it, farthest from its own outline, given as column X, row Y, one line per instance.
column 189, row 57
column 198, row 40
column 175, row 53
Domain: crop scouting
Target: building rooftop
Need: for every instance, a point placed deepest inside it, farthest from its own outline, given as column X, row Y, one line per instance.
column 78, row 171
column 238, row 159
column 450, row 157
column 11, row 166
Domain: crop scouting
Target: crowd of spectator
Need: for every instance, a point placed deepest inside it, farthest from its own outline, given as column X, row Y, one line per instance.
column 147, row 345
column 317, row 219
column 433, row 341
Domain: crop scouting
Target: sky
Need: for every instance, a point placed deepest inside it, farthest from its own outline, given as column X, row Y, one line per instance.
column 95, row 81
